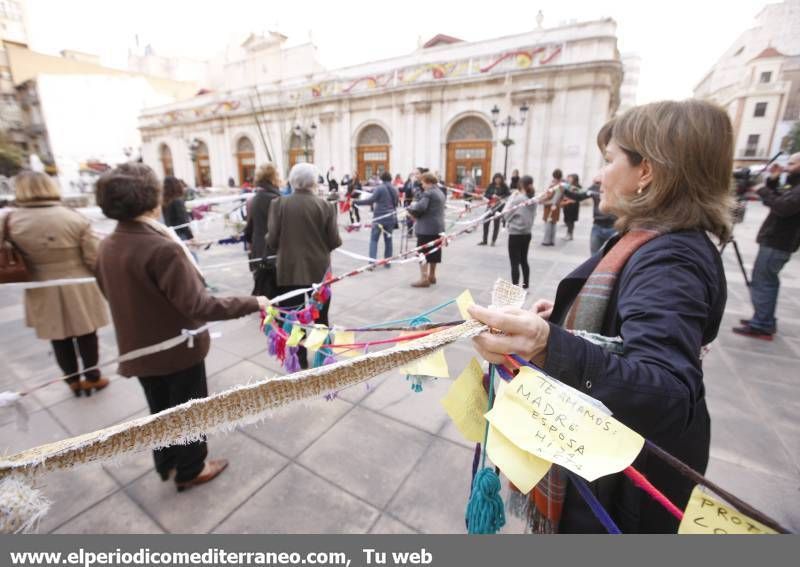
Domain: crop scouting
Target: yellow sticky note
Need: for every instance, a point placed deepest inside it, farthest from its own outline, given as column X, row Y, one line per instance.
column 435, row 364
column 317, row 337
column 544, row 417
column 705, row 515
column 295, row 337
column 521, row 468
column 464, row 301
column 466, row 402
column 345, row 338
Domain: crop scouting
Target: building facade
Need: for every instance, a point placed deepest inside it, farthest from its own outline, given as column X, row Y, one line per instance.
column 756, row 81
column 12, row 29
column 432, row 108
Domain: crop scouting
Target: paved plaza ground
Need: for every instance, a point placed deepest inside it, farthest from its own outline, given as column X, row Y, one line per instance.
column 383, row 459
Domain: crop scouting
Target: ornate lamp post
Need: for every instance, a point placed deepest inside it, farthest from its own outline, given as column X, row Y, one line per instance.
column 306, row 135
column 508, row 122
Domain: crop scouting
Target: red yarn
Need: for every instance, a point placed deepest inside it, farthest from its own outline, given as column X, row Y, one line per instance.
column 639, row 480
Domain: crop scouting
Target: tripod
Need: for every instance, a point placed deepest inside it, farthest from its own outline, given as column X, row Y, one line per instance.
column 732, row 240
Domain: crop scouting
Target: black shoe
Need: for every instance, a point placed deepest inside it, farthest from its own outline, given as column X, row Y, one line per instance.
column 493, row 242
column 481, row 243
column 746, row 323
column 748, row 331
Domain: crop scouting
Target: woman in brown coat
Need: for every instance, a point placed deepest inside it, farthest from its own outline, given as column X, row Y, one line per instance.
column 58, row 243
column 156, row 291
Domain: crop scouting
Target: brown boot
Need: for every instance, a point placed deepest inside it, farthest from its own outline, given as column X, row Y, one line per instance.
column 432, row 273
column 423, row 277
column 76, row 387
column 97, row 385
column 210, row 471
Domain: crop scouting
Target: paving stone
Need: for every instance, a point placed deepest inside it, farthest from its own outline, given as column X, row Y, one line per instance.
column 434, row 497
column 241, row 373
column 41, row 428
column 219, row 359
column 297, row 501
column 367, row 454
column 244, row 342
column 388, row 525
column 122, row 398
column 201, row 508
column 775, row 496
column 291, row 429
column 395, row 398
column 72, row 492
column 117, row 514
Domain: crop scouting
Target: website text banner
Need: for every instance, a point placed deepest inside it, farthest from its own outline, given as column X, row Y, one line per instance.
column 392, row 550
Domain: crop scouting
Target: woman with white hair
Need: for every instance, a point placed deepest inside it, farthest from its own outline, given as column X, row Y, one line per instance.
column 303, row 231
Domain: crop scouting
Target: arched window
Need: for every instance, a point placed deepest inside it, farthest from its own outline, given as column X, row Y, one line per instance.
column 165, row 156
column 202, row 164
column 246, row 160
column 469, row 150
column 372, row 151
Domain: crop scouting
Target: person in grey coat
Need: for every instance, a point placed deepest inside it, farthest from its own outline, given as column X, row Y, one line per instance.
column 429, row 212
column 384, row 199
column 519, row 223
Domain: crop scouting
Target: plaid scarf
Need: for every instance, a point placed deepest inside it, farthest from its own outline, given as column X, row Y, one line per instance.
column 586, row 314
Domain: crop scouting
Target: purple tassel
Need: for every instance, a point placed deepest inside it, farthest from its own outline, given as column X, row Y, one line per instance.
column 291, row 363
column 272, row 342
column 329, row 397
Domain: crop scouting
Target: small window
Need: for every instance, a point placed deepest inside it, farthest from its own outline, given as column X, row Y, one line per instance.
column 761, row 109
column 766, row 77
column 752, row 145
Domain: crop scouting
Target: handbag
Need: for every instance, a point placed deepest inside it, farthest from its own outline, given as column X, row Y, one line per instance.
column 13, row 268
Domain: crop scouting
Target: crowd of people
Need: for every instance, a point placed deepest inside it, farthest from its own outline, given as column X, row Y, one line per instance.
column 654, row 279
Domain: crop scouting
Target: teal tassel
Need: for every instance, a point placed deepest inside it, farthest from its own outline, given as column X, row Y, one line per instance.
column 323, row 355
column 485, row 511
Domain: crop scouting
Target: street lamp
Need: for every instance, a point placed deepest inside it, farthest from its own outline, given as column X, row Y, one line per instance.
column 306, row 135
column 508, row 123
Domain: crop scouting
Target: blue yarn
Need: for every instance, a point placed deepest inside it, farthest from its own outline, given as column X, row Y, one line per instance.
column 594, row 504
column 485, row 511
column 415, row 379
column 414, row 318
column 322, row 353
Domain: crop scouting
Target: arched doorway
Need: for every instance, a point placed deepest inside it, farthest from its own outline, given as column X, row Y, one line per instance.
column 245, row 160
column 165, row 156
column 300, row 150
column 372, row 151
column 202, row 165
column 469, row 149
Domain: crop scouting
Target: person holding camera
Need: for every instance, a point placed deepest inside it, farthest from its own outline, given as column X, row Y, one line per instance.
column 778, row 238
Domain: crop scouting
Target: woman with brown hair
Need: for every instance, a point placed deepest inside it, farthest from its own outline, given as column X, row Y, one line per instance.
column 156, row 292
column 659, row 287
column 255, row 232
column 173, row 207
column 58, row 242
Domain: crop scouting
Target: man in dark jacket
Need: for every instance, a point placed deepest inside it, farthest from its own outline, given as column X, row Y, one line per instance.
column 778, row 238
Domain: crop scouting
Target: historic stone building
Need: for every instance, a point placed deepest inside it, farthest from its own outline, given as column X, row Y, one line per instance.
column 445, row 106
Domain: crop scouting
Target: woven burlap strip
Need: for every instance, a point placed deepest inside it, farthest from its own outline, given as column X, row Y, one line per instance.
column 223, row 411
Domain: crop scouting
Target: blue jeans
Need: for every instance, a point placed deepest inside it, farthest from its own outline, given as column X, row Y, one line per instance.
column 765, row 285
column 377, row 229
column 600, row 236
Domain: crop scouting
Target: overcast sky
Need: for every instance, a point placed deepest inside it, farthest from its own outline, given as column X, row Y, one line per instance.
column 678, row 40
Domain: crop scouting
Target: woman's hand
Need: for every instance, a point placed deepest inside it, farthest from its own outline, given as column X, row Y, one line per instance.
column 524, row 333
column 543, row 308
column 263, row 302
